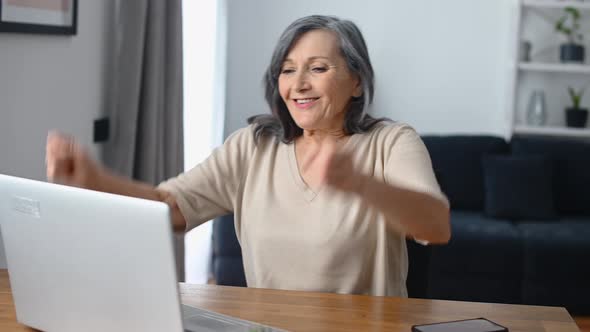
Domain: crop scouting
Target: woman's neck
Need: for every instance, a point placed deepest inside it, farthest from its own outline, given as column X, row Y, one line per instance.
column 322, row 137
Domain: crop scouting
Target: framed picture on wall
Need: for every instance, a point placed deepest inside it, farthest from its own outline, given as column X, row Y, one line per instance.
column 39, row 16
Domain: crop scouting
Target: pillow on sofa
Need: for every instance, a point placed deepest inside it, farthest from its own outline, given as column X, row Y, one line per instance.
column 571, row 169
column 456, row 161
column 518, row 187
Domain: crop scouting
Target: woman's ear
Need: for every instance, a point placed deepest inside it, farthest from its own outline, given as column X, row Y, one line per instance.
column 358, row 88
column 358, row 91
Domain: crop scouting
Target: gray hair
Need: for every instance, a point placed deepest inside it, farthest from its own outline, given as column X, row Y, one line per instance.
column 279, row 123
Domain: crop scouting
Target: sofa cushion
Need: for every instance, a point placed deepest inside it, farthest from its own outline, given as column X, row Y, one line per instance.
column 482, row 262
column 229, row 271
column 225, row 241
column 479, row 245
column 518, row 187
column 571, row 170
column 557, row 250
column 457, row 164
column 226, row 260
column 555, row 269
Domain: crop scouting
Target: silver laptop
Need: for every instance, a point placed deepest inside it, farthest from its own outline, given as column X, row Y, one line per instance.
column 82, row 260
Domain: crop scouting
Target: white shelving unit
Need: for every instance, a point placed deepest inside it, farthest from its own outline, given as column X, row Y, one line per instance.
column 534, row 19
column 556, row 4
column 552, row 131
column 554, row 67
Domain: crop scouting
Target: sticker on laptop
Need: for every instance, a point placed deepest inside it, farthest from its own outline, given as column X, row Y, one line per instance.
column 26, row 206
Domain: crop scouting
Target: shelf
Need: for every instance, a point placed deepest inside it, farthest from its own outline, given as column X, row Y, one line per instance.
column 552, row 131
column 556, row 4
column 547, row 74
column 555, row 67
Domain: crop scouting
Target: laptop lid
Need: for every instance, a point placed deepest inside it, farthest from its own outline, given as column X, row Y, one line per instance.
column 82, row 260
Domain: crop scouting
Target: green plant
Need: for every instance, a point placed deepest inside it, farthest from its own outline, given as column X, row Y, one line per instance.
column 569, row 25
column 576, row 96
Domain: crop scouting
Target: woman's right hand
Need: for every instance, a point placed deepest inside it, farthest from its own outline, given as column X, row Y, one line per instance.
column 68, row 163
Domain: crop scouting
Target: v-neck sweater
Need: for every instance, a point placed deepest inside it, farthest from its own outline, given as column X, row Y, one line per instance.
column 297, row 239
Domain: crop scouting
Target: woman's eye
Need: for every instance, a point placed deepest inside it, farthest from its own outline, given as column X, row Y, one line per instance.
column 319, row 69
column 287, row 71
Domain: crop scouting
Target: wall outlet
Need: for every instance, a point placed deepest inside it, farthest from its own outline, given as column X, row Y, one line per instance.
column 101, row 130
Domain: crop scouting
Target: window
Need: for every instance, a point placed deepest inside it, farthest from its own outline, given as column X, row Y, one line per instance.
column 204, row 74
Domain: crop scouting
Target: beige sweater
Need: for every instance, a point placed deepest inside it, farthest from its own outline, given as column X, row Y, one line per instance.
column 298, row 239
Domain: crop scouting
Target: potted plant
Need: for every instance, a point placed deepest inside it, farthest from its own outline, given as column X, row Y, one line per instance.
column 575, row 116
column 569, row 25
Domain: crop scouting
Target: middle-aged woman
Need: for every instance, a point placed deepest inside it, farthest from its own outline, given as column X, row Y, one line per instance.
column 323, row 194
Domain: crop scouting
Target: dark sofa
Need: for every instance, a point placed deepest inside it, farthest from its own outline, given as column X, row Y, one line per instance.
column 532, row 247
column 520, row 216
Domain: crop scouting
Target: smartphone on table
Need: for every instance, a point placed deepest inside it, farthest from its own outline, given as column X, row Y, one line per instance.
column 466, row 325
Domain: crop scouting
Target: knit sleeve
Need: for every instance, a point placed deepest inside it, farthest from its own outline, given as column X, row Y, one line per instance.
column 209, row 190
column 408, row 163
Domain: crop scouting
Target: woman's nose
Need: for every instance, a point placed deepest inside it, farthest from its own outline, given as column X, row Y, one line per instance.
column 302, row 81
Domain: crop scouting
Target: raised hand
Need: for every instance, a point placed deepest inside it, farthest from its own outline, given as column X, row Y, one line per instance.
column 68, row 163
column 341, row 174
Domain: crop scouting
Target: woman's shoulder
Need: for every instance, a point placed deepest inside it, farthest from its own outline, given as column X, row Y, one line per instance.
column 391, row 131
column 246, row 138
column 243, row 133
column 241, row 139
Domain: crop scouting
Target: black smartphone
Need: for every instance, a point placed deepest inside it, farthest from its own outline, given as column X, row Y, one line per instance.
column 467, row 325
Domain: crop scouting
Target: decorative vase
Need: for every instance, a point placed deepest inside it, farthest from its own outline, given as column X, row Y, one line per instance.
column 571, row 53
column 537, row 109
column 576, row 117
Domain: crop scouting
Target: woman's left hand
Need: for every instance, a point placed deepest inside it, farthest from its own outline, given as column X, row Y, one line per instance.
column 413, row 213
column 341, row 173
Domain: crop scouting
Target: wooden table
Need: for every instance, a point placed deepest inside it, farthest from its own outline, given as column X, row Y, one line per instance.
column 307, row 311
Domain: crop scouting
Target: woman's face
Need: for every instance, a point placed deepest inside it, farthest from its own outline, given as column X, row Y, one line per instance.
column 315, row 82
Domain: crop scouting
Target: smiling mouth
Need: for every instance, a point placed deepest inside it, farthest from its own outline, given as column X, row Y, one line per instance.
column 305, row 101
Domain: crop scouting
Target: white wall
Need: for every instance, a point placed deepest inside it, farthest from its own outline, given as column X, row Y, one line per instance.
column 50, row 81
column 440, row 65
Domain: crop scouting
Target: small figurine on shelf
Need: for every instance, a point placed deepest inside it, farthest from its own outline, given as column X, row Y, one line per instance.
column 569, row 25
column 525, row 51
column 575, row 116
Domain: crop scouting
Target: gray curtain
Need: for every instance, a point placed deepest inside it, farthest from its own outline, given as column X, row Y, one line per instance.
column 145, row 95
